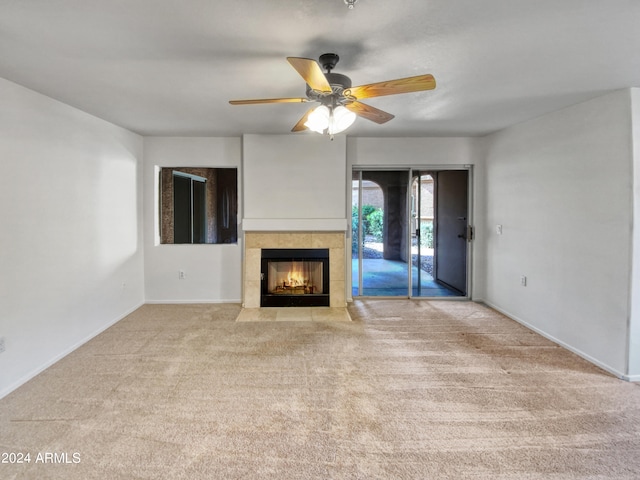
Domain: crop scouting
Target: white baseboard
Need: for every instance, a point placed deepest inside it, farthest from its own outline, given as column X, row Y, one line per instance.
column 10, row 388
column 580, row 353
column 180, row 302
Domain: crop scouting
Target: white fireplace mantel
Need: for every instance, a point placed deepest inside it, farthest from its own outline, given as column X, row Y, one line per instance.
column 294, row 224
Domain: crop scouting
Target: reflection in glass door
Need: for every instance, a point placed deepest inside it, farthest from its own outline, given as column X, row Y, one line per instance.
column 424, row 227
column 453, row 232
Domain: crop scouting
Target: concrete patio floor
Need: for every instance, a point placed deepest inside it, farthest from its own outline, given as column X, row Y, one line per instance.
column 382, row 277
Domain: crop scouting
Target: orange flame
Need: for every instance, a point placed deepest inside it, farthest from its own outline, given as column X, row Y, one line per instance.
column 296, row 275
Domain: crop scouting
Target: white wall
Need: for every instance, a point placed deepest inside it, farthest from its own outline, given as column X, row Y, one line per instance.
column 410, row 151
column 294, row 182
column 213, row 272
column 561, row 186
column 71, row 236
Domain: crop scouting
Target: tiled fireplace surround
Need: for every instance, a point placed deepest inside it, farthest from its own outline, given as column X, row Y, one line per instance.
column 254, row 242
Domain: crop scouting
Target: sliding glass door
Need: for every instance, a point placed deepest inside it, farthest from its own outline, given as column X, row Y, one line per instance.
column 379, row 218
column 399, row 247
column 422, row 244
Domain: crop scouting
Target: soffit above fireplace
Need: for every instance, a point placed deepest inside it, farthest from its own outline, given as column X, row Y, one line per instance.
column 294, row 224
column 294, row 184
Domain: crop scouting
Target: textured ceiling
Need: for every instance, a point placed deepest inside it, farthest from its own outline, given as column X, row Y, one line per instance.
column 168, row 67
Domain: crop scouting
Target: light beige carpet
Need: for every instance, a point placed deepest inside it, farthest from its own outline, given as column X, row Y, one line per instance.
column 407, row 390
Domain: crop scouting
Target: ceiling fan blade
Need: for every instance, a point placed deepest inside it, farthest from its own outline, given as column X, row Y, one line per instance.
column 369, row 112
column 311, row 72
column 268, row 100
column 392, row 87
column 300, row 126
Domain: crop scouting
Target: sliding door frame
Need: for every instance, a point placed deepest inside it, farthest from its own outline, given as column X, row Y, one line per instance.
column 410, row 170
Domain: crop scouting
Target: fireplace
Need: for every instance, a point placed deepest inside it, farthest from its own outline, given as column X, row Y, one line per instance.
column 255, row 241
column 294, row 277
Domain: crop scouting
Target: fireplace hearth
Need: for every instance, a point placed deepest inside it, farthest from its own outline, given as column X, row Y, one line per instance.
column 294, row 277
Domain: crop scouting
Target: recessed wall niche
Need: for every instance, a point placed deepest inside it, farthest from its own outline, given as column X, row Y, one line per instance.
column 198, row 205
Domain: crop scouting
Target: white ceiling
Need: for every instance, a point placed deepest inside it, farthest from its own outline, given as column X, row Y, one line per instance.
column 169, row 67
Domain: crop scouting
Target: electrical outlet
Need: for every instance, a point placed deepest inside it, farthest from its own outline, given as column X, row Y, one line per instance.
column 2, row 345
column 523, row 280
column 181, row 275
column 499, row 229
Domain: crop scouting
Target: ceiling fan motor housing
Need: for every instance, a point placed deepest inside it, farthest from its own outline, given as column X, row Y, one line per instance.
column 338, row 80
column 338, row 83
column 328, row 61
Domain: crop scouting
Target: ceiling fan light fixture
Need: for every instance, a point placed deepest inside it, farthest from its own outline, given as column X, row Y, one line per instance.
column 341, row 118
column 350, row 3
column 330, row 120
column 318, row 120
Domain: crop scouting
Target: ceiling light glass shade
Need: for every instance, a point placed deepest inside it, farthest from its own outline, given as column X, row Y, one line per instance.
column 340, row 120
column 318, row 120
column 330, row 120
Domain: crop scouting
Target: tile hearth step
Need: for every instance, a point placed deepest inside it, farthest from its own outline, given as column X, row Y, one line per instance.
column 294, row 314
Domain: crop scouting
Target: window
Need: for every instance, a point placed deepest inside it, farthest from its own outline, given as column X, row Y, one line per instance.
column 198, row 205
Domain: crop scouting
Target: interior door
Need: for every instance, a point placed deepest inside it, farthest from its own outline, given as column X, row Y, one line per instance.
column 451, row 228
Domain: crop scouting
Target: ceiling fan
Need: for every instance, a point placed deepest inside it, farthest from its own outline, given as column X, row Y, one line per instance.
column 339, row 101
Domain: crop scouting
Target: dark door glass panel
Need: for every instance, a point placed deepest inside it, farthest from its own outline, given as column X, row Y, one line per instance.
column 181, row 209
column 199, row 212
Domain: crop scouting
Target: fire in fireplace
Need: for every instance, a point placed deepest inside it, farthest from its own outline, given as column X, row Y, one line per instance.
column 294, row 277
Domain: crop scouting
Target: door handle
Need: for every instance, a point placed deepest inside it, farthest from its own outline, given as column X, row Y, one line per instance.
column 468, row 234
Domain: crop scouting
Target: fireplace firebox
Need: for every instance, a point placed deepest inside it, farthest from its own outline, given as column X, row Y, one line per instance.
column 296, row 277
